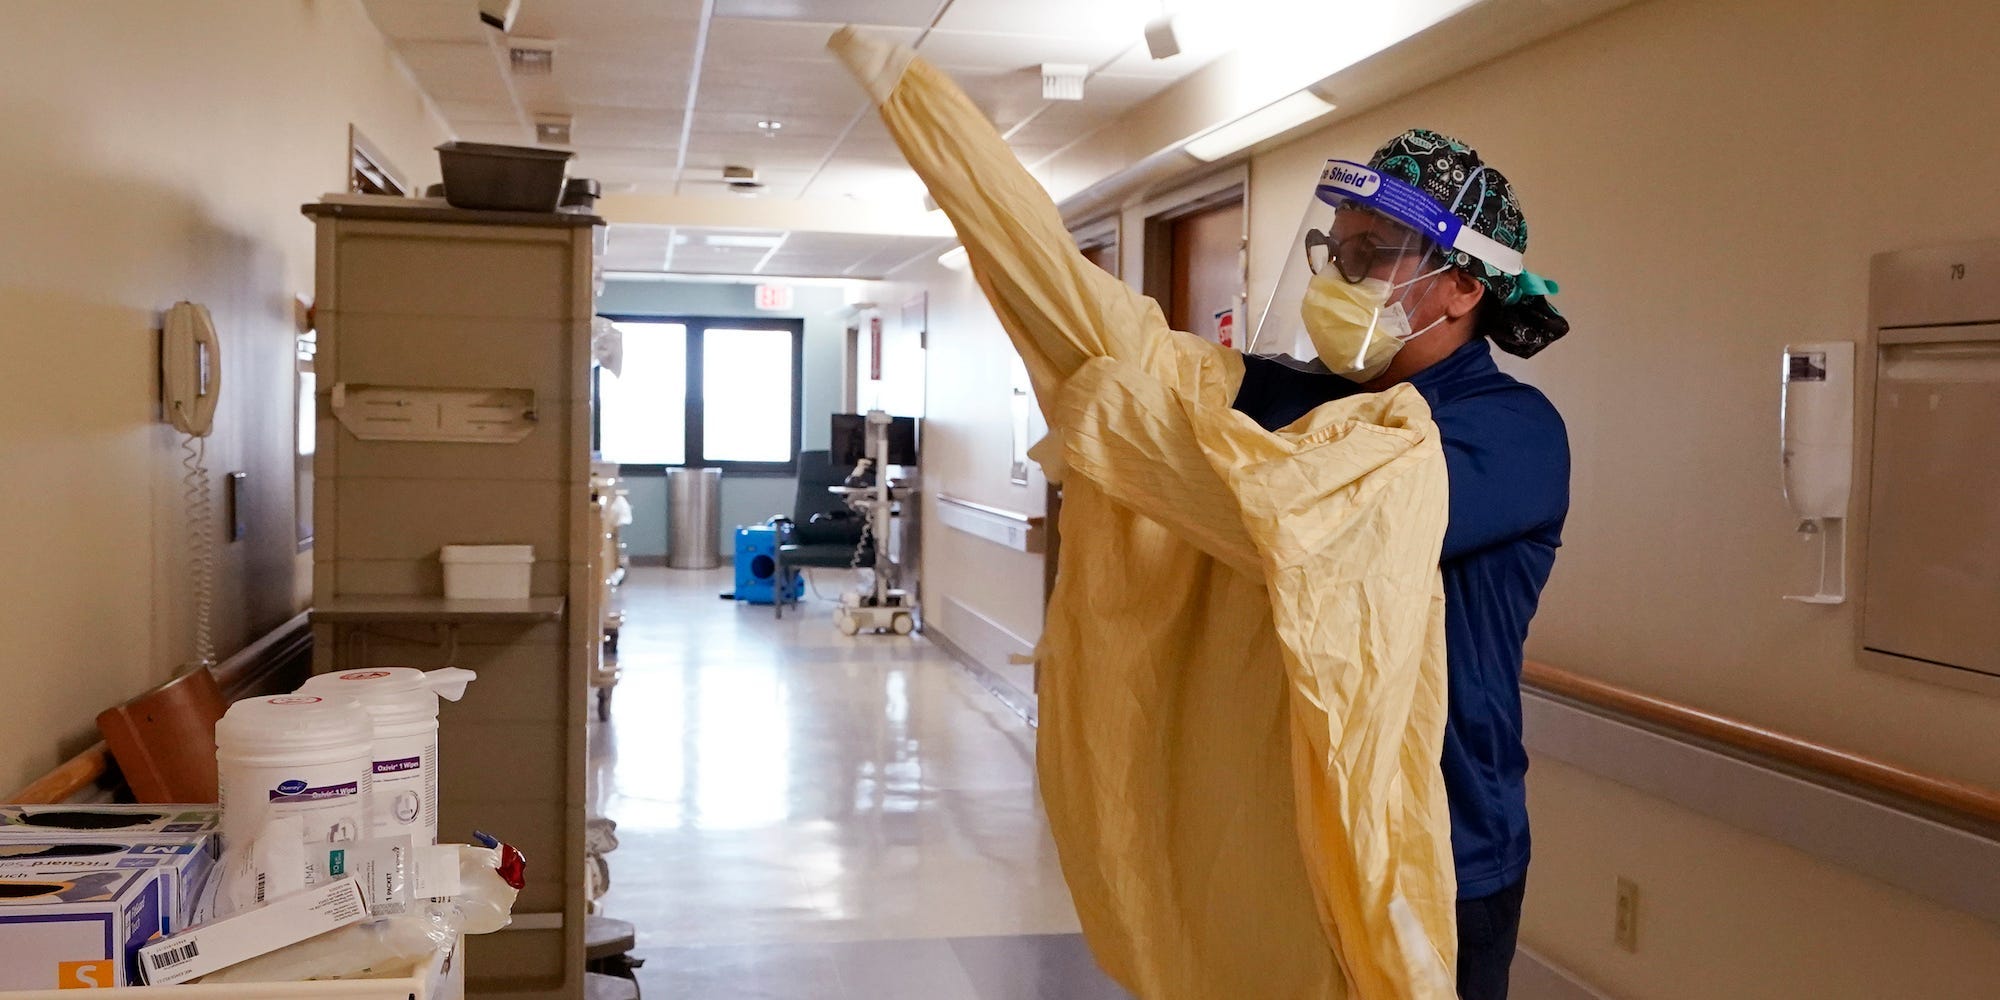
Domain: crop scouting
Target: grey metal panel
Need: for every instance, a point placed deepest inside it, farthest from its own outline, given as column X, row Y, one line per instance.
column 1941, row 863
column 1937, row 285
column 1931, row 552
column 1933, row 568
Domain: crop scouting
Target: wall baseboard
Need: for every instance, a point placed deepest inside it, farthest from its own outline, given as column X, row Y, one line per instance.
column 1010, row 694
column 1537, row 978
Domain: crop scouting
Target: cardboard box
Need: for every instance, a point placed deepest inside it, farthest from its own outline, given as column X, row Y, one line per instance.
column 134, row 823
column 188, row 865
column 246, row 935
column 78, row 930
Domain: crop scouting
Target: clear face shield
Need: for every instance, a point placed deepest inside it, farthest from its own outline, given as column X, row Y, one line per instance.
column 1367, row 255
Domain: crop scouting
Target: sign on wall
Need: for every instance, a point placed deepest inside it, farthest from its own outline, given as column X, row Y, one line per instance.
column 875, row 348
column 774, row 298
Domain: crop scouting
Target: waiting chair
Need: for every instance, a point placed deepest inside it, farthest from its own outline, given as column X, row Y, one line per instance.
column 164, row 740
column 823, row 531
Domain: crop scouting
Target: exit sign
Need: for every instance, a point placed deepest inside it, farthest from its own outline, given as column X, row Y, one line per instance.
column 774, row 297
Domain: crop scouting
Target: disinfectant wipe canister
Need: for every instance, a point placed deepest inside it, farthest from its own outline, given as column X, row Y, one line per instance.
column 309, row 756
column 402, row 703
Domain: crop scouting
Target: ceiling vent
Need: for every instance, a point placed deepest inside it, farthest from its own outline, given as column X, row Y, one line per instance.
column 1063, row 81
column 532, row 60
column 742, row 180
column 552, row 130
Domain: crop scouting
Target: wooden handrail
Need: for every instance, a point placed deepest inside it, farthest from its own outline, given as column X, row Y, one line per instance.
column 242, row 671
column 240, row 674
column 70, row 777
column 1929, row 790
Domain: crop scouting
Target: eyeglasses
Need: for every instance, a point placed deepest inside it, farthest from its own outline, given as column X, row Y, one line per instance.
column 1355, row 257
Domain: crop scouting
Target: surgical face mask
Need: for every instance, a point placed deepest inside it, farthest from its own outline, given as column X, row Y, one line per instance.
column 1354, row 326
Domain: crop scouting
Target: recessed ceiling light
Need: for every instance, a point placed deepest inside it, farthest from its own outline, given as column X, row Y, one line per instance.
column 552, row 129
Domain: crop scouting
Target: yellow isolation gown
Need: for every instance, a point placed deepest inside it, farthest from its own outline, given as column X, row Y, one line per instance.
column 1242, row 691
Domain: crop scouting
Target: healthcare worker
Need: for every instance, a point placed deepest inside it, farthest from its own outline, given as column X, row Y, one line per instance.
column 1244, row 665
column 1411, row 273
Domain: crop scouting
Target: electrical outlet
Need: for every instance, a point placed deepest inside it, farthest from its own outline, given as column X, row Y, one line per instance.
column 1625, row 925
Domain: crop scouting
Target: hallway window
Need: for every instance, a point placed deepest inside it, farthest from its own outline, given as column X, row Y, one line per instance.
column 642, row 414
column 704, row 392
column 748, row 414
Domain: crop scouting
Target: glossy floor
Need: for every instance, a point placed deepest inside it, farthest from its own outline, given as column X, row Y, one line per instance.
column 808, row 816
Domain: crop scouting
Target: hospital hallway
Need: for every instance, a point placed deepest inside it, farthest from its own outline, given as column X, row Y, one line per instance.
column 807, row 815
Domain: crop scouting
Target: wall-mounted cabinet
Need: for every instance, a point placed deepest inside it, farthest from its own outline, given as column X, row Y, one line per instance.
column 1932, row 577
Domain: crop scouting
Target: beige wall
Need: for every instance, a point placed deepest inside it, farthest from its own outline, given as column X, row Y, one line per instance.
column 157, row 152
column 1724, row 914
column 968, row 444
column 1708, row 180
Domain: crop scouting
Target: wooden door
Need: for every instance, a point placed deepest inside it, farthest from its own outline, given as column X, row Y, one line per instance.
column 1206, row 269
column 1104, row 255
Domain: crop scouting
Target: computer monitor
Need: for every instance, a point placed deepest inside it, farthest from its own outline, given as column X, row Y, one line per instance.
column 850, row 439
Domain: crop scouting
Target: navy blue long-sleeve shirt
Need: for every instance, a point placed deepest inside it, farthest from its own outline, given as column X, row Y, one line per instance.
column 1506, row 458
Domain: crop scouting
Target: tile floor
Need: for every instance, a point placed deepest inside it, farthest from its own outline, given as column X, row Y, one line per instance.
column 807, row 816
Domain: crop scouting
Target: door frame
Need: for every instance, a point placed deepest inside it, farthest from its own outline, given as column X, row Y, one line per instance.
column 1150, row 252
column 1103, row 231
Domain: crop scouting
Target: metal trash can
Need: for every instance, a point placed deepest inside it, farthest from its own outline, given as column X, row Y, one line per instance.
column 694, row 518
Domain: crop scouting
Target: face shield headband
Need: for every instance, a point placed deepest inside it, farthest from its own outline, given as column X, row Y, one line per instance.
column 1347, row 182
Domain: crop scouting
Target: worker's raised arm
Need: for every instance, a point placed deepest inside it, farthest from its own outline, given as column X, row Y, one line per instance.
column 1059, row 309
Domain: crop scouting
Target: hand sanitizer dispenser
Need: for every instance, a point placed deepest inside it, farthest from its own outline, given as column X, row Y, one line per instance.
column 1816, row 428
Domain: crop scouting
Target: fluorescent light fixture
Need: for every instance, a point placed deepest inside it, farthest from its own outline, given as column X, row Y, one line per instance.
column 744, row 241
column 955, row 258
column 1257, row 126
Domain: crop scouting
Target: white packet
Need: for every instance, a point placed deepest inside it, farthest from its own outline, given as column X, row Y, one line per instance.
column 383, row 864
column 436, row 872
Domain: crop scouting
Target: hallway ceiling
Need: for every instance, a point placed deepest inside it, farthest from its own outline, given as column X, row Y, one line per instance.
column 661, row 95
column 643, row 120
column 773, row 252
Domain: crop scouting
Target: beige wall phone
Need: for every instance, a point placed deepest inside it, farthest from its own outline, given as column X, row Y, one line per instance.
column 190, row 368
column 190, row 383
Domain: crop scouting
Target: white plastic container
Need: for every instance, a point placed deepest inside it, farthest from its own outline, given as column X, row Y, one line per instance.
column 402, row 705
column 309, row 756
column 487, row 572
